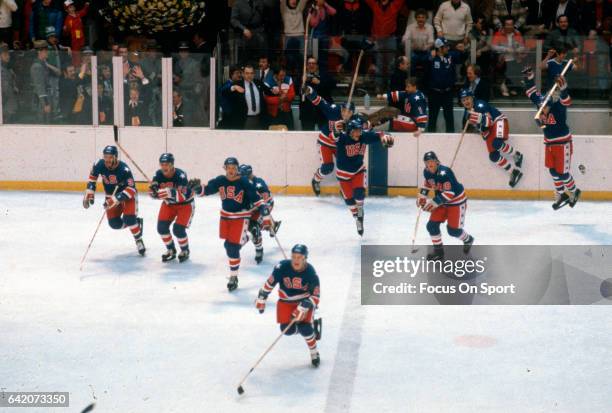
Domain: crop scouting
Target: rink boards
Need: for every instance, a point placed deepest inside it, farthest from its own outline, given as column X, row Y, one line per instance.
column 59, row 159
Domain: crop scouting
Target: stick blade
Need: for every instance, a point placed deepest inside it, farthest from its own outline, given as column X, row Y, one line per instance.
column 240, row 390
column 116, row 133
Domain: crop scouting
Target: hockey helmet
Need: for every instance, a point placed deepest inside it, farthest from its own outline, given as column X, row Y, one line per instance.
column 465, row 93
column 430, row 156
column 110, row 150
column 231, row 161
column 166, row 158
column 246, row 170
column 355, row 122
column 300, row 249
column 349, row 106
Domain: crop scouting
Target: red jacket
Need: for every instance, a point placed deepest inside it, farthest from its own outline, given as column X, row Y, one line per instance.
column 384, row 22
column 274, row 104
column 73, row 26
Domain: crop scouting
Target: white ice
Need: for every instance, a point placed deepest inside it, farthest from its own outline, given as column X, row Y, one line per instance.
column 134, row 335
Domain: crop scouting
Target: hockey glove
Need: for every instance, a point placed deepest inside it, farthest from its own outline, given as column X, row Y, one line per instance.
column 168, row 194
column 301, row 311
column 387, row 141
column 260, row 302
column 474, row 118
column 561, row 82
column 88, row 199
column 421, row 200
column 196, row 186
column 153, row 189
column 111, row 202
column 430, row 205
column 528, row 73
column 307, row 90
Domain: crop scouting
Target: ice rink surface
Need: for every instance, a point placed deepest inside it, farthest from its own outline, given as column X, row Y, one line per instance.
column 134, row 335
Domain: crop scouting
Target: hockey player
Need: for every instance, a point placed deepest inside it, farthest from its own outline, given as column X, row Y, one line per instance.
column 335, row 115
column 448, row 204
column 171, row 186
column 238, row 197
column 413, row 108
column 121, row 202
column 298, row 297
column 350, row 171
column 494, row 129
column 256, row 220
column 557, row 139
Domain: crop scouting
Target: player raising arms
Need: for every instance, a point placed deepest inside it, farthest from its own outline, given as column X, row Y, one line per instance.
column 238, row 197
column 413, row 108
column 171, row 186
column 448, row 204
column 256, row 220
column 493, row 126
column 350, row 171
column 121, row 202
column 326, row 143
column 298, row 297
column 557, row 139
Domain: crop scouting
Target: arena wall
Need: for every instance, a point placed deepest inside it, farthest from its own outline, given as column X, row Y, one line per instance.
column 59, row 158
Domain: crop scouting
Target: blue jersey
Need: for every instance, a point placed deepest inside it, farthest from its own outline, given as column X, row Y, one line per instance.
column 413, row 105
column 120, row 177
column 178, row 181
column 237, row 197
column 490, row 115
column 442, row 73
column 350, row 152
column 332, row 113
column 555, row 123
column 448, row 191
column 554, row 69
column 294, row 285
column 262, row 189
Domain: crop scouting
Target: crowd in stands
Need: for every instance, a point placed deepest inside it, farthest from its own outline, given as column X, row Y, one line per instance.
column 46, row 48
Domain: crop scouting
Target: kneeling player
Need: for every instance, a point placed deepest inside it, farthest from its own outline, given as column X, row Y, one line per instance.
column 238, row 197
column 413, row 108
column 350, row 170
column 256, row 224
column 170, row 185
column 493, row 126
column 448, row 204
column 557, row 139
column 121, row 202
column 299, row 293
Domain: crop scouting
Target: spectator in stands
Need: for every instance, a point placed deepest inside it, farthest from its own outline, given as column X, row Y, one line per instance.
column 566, row 8
column 400, row 74
column 136, row 112
column 593, row 16
column 480, row 35
column 247, row 21
column 323, row 84
column 39, row 75
column 353, row 16
column 71, row 96
column 187, row 75
column 420, row 34
column 44, row 15
column 539, row 17
column 278, row 101
column 254, row 99
column 562, row 37
column 477, row 85
column 453, row 21
column 7, row 7
column 442, row 76
column 201, row 43
column 384, row 26
column 181, row 116
column 105, row 95
column 509, row 45
column 483, row 8
column 320, row 15
column 293, row 30
column 232, row 101
column 263, row 69
column 74, row 29
column 9, row 86
column 512, row 8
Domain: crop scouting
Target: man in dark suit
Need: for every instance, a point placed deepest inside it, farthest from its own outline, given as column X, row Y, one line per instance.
column 136, row 113
column 181, row 116
column 400, row 74
column 253, row 98
column 477, row 85
column 233, row 104
column 323, row 85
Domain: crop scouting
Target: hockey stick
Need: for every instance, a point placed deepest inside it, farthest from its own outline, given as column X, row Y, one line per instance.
column 280, row 247
column 416, row 228
column 240, row 389
column 460, row 142
column 127, row 155
column 306, row 29
column 94, row 234
column 366, row 45
column 552, row 90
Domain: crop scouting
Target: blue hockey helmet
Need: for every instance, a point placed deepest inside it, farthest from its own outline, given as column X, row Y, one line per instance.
column 110, row 150
column 246, row 170
column 465, row 93
column 166, row 158
column 231, row 161
column 349, row 106
column 430, row 156
column 300, row 249
column 355, row 122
